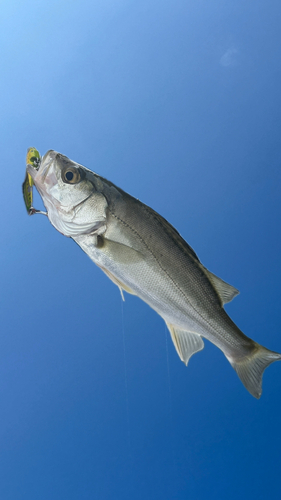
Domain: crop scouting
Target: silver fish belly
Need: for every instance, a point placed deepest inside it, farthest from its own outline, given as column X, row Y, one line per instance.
column 144, row 255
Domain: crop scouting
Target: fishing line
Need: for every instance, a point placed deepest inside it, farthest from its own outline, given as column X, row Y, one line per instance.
column 126, row 378
column 168, row 370
column 172, row 436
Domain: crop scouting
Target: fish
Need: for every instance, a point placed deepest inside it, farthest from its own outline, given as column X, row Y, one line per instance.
column 144, row 255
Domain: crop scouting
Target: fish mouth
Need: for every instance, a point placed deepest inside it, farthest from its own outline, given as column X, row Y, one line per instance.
column 38, row 175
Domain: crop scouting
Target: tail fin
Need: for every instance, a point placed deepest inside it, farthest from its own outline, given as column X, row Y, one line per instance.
column 250, row 368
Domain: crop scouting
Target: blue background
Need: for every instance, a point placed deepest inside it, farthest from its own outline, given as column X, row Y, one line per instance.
column 177, row 102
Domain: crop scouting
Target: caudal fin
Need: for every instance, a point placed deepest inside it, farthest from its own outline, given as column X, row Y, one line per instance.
column 250, row 368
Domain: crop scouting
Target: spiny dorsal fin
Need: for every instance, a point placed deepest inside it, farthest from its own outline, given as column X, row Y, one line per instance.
column 186, row 343
column 225, row 291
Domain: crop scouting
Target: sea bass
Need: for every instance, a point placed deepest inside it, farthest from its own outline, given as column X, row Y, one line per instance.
column 146, row 256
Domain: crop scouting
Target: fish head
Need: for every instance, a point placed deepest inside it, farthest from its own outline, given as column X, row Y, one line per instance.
column 69, row 192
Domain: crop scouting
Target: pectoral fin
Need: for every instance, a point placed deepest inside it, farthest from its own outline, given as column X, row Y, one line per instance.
column 225, row 291
column 121, row 253
column 186, row 343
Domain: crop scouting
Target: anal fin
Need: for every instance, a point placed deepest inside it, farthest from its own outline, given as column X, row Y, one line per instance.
column 186, row 343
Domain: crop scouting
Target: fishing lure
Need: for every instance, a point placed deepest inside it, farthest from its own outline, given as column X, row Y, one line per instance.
column 33, row 158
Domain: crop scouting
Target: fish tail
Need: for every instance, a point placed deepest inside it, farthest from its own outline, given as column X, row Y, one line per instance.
column 250, row 368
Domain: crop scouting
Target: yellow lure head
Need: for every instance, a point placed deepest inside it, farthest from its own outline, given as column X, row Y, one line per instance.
column 33, row 158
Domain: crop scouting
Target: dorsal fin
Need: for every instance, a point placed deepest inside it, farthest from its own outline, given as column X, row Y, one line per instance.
column 186, row 343
column 225, row 291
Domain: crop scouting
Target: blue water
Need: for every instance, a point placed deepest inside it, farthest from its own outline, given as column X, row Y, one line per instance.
column 178, row 103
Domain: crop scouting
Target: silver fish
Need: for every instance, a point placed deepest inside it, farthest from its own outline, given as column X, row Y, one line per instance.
column 145, row 256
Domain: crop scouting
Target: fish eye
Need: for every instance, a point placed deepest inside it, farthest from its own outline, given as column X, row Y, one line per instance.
column 71, row 176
